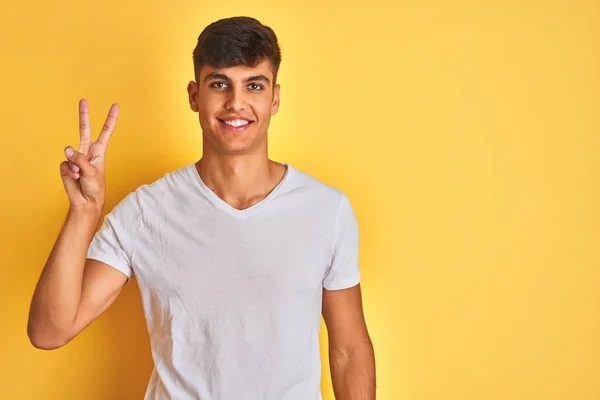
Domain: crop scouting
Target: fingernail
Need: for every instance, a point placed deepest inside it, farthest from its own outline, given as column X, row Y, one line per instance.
column 69, row 152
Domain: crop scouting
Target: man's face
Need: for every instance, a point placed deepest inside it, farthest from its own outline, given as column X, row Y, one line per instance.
column 235, row 106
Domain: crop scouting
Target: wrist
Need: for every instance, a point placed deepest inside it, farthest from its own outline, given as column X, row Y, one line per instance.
column 88, row 210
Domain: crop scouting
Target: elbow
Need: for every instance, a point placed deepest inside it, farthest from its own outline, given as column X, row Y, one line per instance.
column 44, row 339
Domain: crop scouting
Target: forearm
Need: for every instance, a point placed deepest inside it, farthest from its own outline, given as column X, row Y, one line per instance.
column 353, row 373
column 58, row 292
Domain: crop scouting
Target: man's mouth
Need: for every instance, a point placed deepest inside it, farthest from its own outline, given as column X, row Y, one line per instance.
column 235, row 125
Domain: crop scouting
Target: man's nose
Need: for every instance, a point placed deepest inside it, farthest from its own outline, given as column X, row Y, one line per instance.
column 236, row 100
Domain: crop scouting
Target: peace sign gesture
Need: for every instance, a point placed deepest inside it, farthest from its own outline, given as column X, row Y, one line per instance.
column 83, row 173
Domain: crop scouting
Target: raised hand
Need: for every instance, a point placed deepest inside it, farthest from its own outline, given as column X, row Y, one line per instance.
column 83, row 173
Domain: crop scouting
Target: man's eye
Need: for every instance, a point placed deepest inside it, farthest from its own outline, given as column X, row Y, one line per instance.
column 255, row 86
column 218, row 85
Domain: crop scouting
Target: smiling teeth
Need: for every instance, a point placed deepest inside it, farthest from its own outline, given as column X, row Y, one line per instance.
column 237, row 123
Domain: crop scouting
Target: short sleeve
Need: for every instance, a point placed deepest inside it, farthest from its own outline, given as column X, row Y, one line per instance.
column 344, row 270
column 113, row 243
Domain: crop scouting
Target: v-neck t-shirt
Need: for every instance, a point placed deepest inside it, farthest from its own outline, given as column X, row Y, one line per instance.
column 232, row 298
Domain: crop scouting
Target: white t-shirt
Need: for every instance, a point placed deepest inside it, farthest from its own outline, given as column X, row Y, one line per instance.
column 232, row 298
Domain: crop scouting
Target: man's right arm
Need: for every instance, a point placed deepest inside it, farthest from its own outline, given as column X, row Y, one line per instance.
column 72, row 290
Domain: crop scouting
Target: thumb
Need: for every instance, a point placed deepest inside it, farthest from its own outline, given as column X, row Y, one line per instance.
column 80, row 159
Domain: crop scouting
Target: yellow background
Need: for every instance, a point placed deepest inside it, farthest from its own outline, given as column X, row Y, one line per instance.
column 466, row 135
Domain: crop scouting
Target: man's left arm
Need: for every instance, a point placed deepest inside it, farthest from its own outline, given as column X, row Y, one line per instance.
column 351, row 354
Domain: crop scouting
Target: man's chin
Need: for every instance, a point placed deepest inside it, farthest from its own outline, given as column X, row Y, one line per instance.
column 235, row 148
column 233, row 142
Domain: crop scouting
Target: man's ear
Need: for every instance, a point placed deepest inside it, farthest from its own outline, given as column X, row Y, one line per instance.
column 192, row 90
column 276, row 100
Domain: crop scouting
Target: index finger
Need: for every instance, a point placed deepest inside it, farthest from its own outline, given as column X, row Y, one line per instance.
column 85, row 136
column 109, row 124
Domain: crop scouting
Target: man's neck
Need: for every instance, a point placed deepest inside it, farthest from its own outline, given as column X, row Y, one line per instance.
column 240, row 181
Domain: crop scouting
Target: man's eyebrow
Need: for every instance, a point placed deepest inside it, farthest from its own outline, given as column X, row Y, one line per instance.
column 260, row 78
column 216, row 75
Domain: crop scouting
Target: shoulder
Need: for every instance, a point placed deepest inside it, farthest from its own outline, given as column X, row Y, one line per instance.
column 315, row 190
column 171, row 182
column 162, row 191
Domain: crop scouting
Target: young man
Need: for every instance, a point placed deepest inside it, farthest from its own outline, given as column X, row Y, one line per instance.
column 236, row 256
